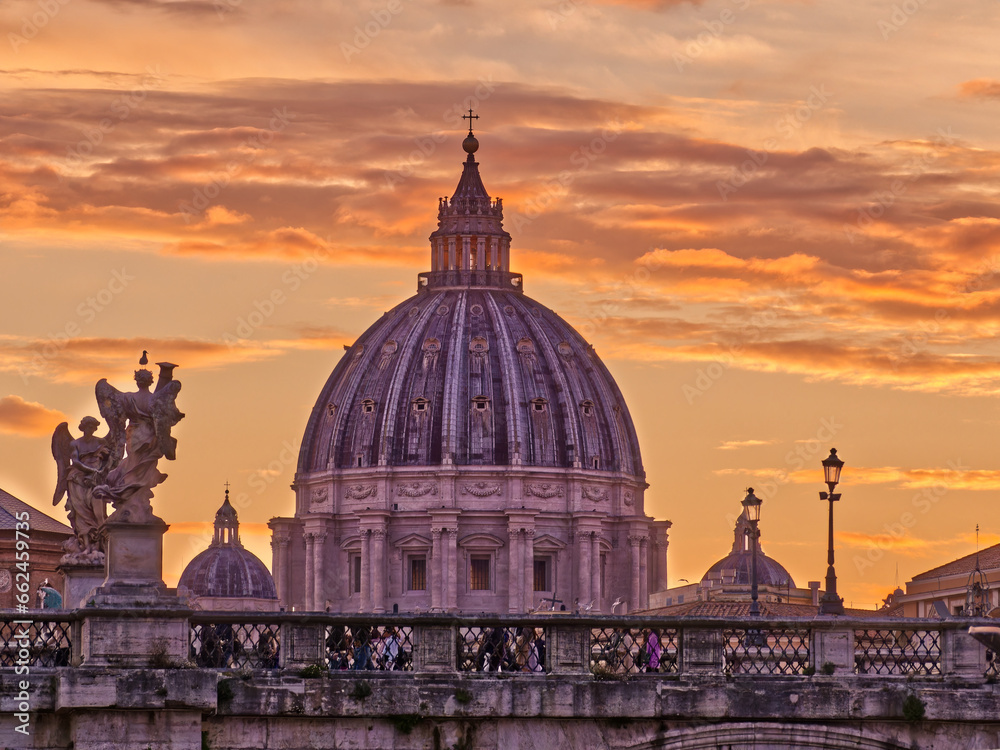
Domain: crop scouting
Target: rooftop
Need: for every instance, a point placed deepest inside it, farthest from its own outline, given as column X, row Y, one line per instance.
column 989, row 559
column 10, row 507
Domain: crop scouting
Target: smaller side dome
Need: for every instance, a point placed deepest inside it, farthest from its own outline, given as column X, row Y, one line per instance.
column 226, row 569
column 735, row 568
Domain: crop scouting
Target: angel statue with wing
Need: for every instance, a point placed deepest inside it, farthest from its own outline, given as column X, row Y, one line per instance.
column 139, row 435
column 82, row 464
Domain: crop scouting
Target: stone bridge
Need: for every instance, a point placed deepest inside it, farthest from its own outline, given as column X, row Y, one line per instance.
column 97, row 679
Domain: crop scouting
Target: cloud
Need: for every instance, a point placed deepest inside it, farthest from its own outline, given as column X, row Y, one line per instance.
column 28, row 418
column 195, row 9
column 961, row 478
column 902, row 236
column 907, row 544
column 86, row 359
column 980, row 88
column 731, row 445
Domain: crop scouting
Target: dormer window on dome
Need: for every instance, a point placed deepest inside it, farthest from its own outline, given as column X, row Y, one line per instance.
column 587, row 407
column 480, row 403
column 539, row 404
column 367, row 406
column 421, row 404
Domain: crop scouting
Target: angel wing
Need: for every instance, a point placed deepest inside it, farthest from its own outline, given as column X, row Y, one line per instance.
column 62, row 449
column 165, row 416
column 109, row 401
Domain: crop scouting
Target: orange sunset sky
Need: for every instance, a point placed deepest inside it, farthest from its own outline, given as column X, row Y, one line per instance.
column 776, row 220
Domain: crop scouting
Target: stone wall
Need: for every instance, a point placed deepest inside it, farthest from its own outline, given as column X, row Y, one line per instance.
column 158, row 699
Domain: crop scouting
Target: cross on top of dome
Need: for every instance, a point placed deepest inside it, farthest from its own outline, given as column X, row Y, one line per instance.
column 471, row 143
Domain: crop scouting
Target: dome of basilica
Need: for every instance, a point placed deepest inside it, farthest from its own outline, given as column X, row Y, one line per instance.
column 470, row 452
column 470, row 370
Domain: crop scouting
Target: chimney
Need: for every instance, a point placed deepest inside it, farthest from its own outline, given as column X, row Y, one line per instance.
column 814, row 588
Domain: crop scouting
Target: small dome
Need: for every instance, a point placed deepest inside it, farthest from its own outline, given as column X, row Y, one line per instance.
column 735, row 568
column 226, row 569
column 228, row 572
column 769, row 571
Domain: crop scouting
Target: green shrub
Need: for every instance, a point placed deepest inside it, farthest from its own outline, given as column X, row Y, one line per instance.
column 361, row 690
column 313, row 670
column 913, row 708
column 405, row 723
column 224, row 691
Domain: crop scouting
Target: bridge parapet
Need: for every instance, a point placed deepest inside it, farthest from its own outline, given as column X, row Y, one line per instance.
column 244, row 677
column 604, row 647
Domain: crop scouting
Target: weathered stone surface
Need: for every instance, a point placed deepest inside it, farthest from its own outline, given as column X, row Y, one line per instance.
column 127, row 708
column 135, row 639
column 149, row 689
column 78, row 582
column 145, row 730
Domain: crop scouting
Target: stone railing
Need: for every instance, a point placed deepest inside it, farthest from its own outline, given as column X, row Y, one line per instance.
column 432, row 280
column 602, row 647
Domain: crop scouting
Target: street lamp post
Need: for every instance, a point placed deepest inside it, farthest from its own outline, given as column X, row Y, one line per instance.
column 831, row 604
column 751, row 503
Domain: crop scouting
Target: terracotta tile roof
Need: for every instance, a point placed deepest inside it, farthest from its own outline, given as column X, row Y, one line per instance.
column 10, row 506
column 989, row 559
column 742, row 609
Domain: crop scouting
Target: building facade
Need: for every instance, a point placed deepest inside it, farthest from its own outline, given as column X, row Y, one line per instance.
column 470, row 452
column 44, row 536
column 949, row 585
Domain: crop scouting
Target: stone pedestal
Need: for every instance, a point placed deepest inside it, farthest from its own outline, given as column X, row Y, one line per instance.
column 962, row 655
column 134, row 568
column 834, row 647
column 568, row 650
column 701, row 651
column 133, row 619
column 79, row 581
column 142, row 638
column 435, row 648
column 302, row 644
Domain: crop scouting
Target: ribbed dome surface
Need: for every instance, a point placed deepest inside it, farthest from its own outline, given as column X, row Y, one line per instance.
column 477, row 376
column 229, row 571
column 769, row 571
column 740, row 559
column 226, row 569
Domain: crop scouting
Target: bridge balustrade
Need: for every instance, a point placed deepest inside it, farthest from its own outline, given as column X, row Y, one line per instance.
column 605, row 647
column 37, row 641
column 897, row 652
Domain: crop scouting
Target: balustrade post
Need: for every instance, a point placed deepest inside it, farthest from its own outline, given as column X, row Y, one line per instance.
column 961, row 654
column 134, row 637
column 302, row 644
column 435, row 648
column 832, row 646
column 76, row 638
column 568, row 648
column 701, row 650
